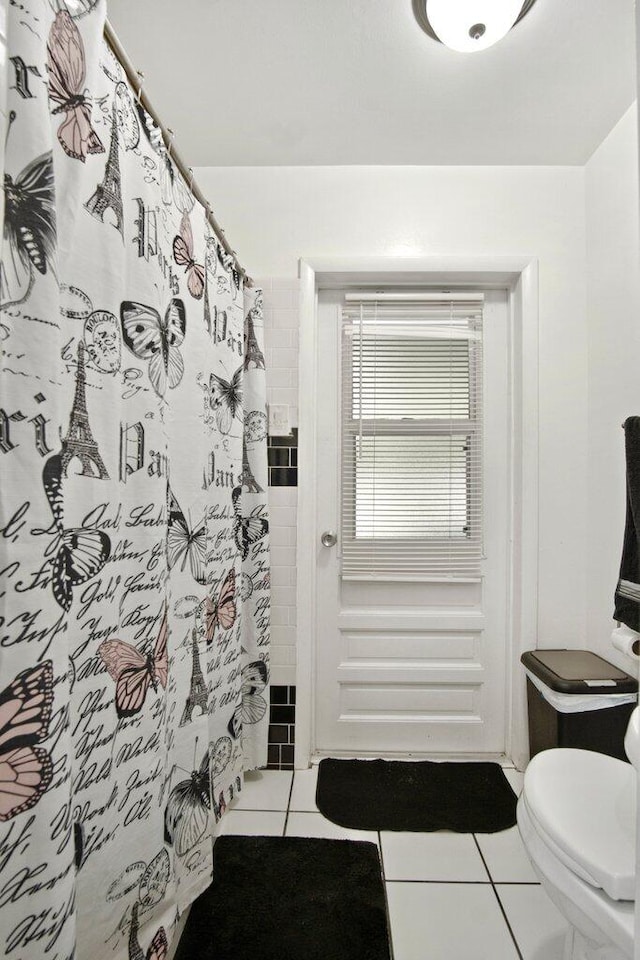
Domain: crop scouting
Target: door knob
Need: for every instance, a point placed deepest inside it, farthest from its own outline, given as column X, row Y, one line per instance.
column 328, row 539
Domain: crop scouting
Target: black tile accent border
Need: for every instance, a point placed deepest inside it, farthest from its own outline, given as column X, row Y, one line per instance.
column 283, row 477
column 278, row 733
column 283, row 714
column 280, row 694
column 282, row 460
column 282, row 728
column 291, row 440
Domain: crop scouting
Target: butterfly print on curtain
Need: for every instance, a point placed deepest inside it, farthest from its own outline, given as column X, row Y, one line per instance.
column 67, row 69
column 184, row 542
column 188, row 809
column 226, row 399
column 183, row 198
column 183, row 256
column 26, row 769
column 253, row 705
column 134, row 672
column 221, row 613
column 76, row 554
column 29, row 229
column 247, row 530
column 157, row 339
column 82, row 7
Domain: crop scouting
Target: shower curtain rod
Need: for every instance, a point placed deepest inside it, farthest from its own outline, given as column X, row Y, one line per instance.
column 135, row 79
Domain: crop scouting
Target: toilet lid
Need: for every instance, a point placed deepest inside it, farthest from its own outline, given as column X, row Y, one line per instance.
column 585, row 804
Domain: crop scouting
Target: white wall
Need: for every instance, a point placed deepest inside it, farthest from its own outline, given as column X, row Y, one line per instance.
column 281, row 360
column 613, row 310
column 277, row 214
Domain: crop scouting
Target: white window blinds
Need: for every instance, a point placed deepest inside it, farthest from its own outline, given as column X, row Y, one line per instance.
column 411, row 446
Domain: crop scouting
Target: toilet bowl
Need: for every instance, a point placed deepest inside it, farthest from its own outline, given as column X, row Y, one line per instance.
column 576, row 816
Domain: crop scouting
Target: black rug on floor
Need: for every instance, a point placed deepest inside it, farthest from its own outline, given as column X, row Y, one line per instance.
column 290, row 898
column 416, row 795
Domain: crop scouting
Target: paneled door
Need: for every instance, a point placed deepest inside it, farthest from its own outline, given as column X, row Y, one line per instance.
column 417, row 665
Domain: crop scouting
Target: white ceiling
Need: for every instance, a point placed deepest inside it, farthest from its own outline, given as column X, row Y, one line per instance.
column 306, row 82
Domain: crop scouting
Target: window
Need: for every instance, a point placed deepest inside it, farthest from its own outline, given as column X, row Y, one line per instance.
column 411, row 436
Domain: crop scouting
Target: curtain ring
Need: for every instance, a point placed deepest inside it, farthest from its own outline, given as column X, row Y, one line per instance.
column 141, row 78
column 191, row 180
column 171, row 136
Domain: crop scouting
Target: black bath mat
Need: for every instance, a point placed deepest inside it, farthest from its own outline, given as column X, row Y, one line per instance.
column 419, row 796
column 290, row 898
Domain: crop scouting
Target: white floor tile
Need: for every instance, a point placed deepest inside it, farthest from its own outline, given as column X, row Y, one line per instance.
column 431, row 856
column 315, row 825
column 303, row 796
column 515, row 778
column 538, row 926
column 265, row 790
column 253, row 823
column 444, row 921
column 505, row 857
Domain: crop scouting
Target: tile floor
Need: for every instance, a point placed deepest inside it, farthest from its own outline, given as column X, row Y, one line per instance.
column 451, row 896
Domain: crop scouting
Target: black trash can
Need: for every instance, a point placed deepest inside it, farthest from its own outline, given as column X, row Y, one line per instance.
column 569, row 673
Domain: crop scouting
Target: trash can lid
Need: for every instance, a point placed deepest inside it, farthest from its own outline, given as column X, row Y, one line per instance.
column 577, row 671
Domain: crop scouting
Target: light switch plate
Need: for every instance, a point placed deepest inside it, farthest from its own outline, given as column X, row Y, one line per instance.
column 279, row 423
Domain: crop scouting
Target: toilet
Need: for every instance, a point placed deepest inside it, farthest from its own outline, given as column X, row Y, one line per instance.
column 576, row 816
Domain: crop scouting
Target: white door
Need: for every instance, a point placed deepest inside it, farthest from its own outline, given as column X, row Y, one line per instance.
column 415, row 668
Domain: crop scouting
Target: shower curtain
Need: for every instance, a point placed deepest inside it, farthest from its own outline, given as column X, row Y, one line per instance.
column 134, row 563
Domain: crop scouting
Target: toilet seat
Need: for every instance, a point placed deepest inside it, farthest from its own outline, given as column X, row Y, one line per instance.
column 583, row 806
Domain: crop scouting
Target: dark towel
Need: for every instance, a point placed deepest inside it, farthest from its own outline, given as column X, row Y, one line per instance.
column 627, row 597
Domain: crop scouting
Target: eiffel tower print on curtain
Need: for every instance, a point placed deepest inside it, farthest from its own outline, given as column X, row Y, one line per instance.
column 108, row 194
column 252, row 352
column 79, row 440
column 198, row 691
column 247, row 479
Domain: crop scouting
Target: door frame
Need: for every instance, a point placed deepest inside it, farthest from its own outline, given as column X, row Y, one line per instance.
column 519, row 275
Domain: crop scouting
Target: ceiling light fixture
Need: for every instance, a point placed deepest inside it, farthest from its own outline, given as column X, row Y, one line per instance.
column 469, row 25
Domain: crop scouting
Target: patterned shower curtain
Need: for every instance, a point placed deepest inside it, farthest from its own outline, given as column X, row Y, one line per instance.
column 134, row 564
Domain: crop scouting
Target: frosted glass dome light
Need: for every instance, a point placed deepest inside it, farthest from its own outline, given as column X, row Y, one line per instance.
column 471, row 25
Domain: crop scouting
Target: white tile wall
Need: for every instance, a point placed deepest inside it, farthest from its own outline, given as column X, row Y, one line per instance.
column 281, row 318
